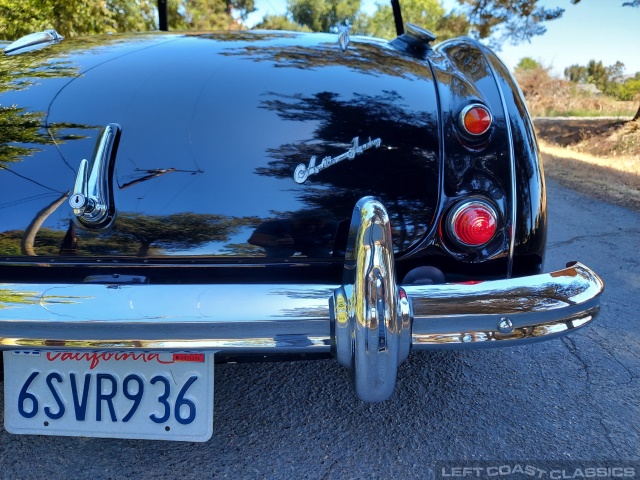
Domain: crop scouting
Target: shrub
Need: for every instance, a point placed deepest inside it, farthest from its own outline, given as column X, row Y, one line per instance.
column 547, row 95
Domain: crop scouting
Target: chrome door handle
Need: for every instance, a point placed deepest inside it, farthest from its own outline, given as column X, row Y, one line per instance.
column 92, row 197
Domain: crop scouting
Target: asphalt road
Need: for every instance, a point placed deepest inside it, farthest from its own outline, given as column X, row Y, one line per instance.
column 568, row 399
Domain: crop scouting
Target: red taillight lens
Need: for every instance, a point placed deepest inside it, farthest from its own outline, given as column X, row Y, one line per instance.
column 475, row 119
column 474, row 224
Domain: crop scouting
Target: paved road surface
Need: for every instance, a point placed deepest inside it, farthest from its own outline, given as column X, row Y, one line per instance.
column 570, row 399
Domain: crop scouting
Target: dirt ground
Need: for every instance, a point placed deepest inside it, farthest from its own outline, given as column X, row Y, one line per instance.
column 600, row 157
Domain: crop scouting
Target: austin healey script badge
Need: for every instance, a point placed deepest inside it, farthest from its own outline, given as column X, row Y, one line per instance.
column 303, row 172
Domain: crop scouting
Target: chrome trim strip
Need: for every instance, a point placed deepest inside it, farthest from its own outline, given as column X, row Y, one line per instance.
column 502, row 312
column 285, row 318
column 279, row 318
column 512, row 162
column 33, row 40
column 495, row 338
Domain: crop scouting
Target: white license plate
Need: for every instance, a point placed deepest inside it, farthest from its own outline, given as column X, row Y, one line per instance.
column 146, row 395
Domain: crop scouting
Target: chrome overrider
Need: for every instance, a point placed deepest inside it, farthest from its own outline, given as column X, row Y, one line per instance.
column 369, row 323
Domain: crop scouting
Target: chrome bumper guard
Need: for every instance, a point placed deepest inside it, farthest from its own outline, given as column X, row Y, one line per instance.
column 369, row 323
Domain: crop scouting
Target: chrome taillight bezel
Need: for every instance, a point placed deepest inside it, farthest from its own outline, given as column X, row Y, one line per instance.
column 457, row 211
column 463, row 113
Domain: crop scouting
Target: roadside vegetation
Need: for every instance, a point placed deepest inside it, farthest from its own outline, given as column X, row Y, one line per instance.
column 577, row 96
column 589, row 91
column 596, row 149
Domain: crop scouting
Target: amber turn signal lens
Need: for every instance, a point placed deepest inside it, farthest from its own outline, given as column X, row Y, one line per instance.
column 475, row 119
column 474, row 224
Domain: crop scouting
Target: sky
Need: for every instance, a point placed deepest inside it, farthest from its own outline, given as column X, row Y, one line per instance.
column 593, row 29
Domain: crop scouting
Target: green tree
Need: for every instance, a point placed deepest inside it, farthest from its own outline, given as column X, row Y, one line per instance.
column 626, row 90
column 576, row 73
column 204, row 15
column 280, row 22
column 242, row 7
column 514, row 20
column 207, row 14
column 69, row 17
column 527, row 63
column 605, row 78
column 323, row 15
column 427, row 13
column 597, row 74
column 609, row 80
column 616, row 72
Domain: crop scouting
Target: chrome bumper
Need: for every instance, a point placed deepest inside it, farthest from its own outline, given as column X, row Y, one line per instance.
column 369, row 323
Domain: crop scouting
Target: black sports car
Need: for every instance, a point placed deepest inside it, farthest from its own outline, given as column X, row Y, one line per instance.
column 171, row 199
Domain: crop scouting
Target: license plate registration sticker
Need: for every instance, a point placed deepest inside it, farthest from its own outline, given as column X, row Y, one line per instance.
column 145, row 395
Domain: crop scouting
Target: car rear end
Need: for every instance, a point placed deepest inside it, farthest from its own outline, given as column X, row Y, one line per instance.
column 171, row 199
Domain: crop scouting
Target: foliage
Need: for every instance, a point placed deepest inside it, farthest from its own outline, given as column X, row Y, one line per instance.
column 207, row 14
column 516, row 20
column 627, row 90
column 631, row 3
column 615, row 72
column 198, row 15
column 323, row 15
column 527, row 63
column 576, row 73
column 72, row 18
column 241, row 7
column 597, row 74
column 313, row 16
column 427, row 13
column 609, row 80
column 135, row 234
column 21, row 131
column 280, row 22
column 11, row 298
column 550, row 96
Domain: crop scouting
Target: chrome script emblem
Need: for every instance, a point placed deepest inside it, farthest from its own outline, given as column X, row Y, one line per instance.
column 303, row 172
